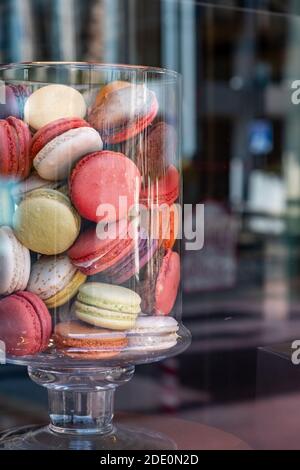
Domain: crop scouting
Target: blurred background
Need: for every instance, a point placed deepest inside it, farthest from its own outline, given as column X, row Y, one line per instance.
column 241, row 158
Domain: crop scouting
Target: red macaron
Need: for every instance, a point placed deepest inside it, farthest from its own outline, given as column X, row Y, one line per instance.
column 47, row 133
column 166, row 190
column 104, row 186
column 25, row 324
column 92, row 254
column 15, row 142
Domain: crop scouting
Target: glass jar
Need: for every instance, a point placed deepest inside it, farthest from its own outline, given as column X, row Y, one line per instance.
column 90, row 229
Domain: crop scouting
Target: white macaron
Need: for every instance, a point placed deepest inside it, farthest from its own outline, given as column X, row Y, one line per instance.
column 14, row 263
column 153, row 333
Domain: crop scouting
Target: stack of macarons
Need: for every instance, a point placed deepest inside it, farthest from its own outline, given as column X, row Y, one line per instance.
column 70, row 234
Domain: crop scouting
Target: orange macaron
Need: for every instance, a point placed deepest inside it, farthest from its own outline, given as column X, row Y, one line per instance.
column 79, row 341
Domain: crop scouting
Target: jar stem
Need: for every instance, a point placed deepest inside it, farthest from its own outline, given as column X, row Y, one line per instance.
column 81, row 412
column 81, row 401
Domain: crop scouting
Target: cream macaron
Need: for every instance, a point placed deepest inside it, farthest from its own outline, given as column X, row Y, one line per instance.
column 14, row 263
column 55, row 280
column 53, row 102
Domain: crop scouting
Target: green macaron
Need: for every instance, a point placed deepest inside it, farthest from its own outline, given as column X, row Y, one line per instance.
column 46, row 223
column 107, row 306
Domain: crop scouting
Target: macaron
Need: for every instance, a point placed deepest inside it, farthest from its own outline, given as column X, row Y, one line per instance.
column 164, row 191
column 15, row 141
column 55, row 280
column 92, row 253
column 170, row 236
column 142, row 250
column 167, row 283
column 147, row 279
column 14, row 100
column 79, row 341
column 53, row 102
column 152, row 333
column 57, row 146
column 107, row 306
column 159, row 283
column 113, row 180
column 46, row 223
column 25, row 324
column 123, row 110
column 156, row 150
column 14, row 263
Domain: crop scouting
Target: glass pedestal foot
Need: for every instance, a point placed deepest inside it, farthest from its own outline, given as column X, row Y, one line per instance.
column 120, row 438
column 81, row 409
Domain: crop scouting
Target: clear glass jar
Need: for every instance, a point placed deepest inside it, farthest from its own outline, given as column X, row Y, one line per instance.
column 90, row 233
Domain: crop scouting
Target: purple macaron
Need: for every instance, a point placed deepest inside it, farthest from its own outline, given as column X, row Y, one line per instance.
column 132, row 263
column 12, row 101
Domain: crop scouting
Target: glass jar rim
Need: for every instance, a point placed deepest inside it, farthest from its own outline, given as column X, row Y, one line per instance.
column 169, row 73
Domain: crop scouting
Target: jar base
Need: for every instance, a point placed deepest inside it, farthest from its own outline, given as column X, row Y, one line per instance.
column 119, row 438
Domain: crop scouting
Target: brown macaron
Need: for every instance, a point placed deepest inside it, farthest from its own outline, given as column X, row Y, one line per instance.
column 156, row 150
column 79, row 341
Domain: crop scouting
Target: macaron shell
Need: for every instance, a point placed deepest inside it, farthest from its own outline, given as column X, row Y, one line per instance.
column 100, row 317
column 49, row 275
column 53, row 102
column 156, row 150
column 43, row 316
column 167, row 283
column 173, row 228
column 147, row 281
column 23, row 143
column 52, row 130
column 131, row 264
column 14, row 263
column 123, row 112
column 109, row 88
column 80, row 341
column 110, row 297
column 20, row 329
column 113, row 256
column 109, row 176
column 154, row 325
column 91, row 245
column 164, row 191
column 46, row 223
column 141, row 124
column 55, row 160
column 68, row 292
column 8, row 150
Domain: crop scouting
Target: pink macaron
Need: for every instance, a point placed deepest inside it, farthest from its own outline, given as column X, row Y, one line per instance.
column 59, row 145
column 91, row 254
column 167, row 283
column 25, row 324
column 114, row 182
